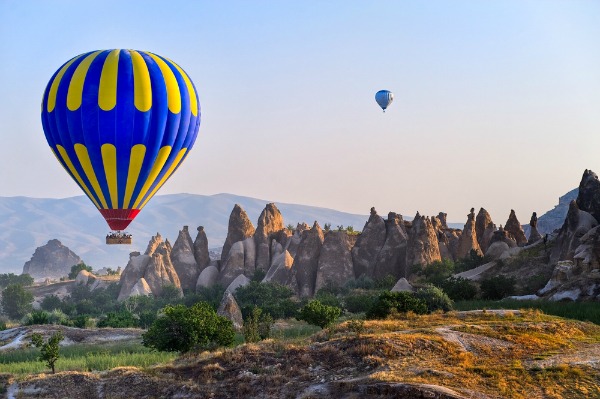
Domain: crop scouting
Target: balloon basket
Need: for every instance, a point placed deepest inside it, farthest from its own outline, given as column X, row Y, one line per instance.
column 118, row 237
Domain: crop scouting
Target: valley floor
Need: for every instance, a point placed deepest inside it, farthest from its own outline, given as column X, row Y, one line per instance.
column 473, row 354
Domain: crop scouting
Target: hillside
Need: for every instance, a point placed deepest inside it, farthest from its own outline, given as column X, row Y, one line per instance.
column 27, row 223
column 477, row 354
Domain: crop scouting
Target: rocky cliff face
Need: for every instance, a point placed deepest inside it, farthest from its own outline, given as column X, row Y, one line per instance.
column 514, row 229
column 51, row 261
column 422, row 246
column 368, row 245
column 534, row 234
column 577, row 223
column 391, row 259
column 468, row 239
column 306, row 262
column 270, row 223
column 335, row 261
column 201, row 253
column 240, row 228
column 484, row 228
column 588, row 199
column 184, row 261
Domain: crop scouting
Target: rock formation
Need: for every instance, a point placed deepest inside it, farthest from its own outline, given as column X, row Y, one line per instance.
column 368, row 245
column 306, row 262
column 141, row 288
column 576, row 225
column 468, row 239
column 281, row 270
column 230, row 309
column 483, row 227
column 184, row 261
column 239, row 281
column 240, row 228
column 422, row 248
column 52, row 261
column 156, row 270
column 240, row 260
column 442, row 218
column 335, row 262
column 391, row 259
column 201, row 249
column 588, row 198
column 534, row 234
column 503, row 236
column 270, row 223
column 514, row 229
column 208, row 277
column 402, row 285
column 83, row 277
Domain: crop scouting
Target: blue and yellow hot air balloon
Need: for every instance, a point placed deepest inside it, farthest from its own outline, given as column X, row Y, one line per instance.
column 120, row 122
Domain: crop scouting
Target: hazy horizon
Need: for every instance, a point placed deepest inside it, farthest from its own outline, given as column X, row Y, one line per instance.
column 496, row 103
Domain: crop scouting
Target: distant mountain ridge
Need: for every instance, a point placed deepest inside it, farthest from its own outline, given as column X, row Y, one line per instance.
column 27, row 223
column 554, row 218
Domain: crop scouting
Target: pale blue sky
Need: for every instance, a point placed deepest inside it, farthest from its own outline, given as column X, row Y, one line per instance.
column 497, row 103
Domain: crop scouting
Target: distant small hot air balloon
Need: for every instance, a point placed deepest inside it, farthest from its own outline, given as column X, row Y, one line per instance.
column 120, row 122
column 384, row 98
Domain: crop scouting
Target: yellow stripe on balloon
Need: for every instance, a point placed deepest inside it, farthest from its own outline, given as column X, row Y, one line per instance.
column 86, row 164
column 142, row 88
column 190, row 88
column 56, row 82
column 162, row 181
column 159, row 162
column 136, row 159
column 107, row 91
column 76, row 86
column 173, row 94
column 67, row 161
column 109, row 159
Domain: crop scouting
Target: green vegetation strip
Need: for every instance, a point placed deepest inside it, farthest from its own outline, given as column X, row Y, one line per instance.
column 84, row 358
column 584, row 311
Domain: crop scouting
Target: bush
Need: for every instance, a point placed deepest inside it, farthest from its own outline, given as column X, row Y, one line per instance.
column 359, row 302
column 51, row 302
column 436, row 272
column 396, row 302
column 272, row 298
column 16, row 301
column 459, row 288
column 82, row 321
column 212, row 295
column 7, row 279
column 122, row 319
column 75, row 269
column 37, row 317
column 181, row 329
column 435, row 299
column 58, row 317
column 497, row 287
column 257, row 326
column 317, row 314
column 471, row 262
column 329, row 299
column 2, row 325
column 357, row 326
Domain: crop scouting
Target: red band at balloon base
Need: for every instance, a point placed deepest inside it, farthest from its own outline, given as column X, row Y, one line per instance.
column 119, row 219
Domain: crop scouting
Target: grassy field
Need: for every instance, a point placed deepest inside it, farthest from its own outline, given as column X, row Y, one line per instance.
column 584, row 311
column 84, row 358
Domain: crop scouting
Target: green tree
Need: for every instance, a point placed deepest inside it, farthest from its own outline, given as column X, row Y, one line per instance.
column 50, row 349
column 435, row 299
column 51, row 302
column 7, row 279
column 257, row 326
column 396, row 302
column 122, row 319
column 75, row 269
column 497, row 287
column 274, row 299
column 459, row 288
column 16, row 301
column 181, row 329
column 317, row 314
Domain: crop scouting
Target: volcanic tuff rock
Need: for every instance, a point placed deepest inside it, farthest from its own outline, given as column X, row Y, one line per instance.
column 335, row 262
column 155, row 241
column 576, row 225
column 281, row 270
column 402, row 285
column 52, row 260
column 208, row 277
column 240, row 228
column 484, row 226
column 368, row 245
column 201, row 253
column 442, row 217
column 240, row 260
column 588, row 198
column 502, row 235
column 83, row 277
column 306, row 262
column 391, row 259
column 184, row 261
column 239, row 281
column 230, row 309
column 534, row 234
column 468, row 239
column 270, row 223
column 141, row 288
column 514, row 229
column 422, row 248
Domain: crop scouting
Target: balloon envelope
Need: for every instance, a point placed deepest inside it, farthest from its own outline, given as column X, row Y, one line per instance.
column 120, row 122
column 384, row 98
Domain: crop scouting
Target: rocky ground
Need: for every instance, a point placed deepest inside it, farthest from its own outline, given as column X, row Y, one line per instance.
column 478, row 354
